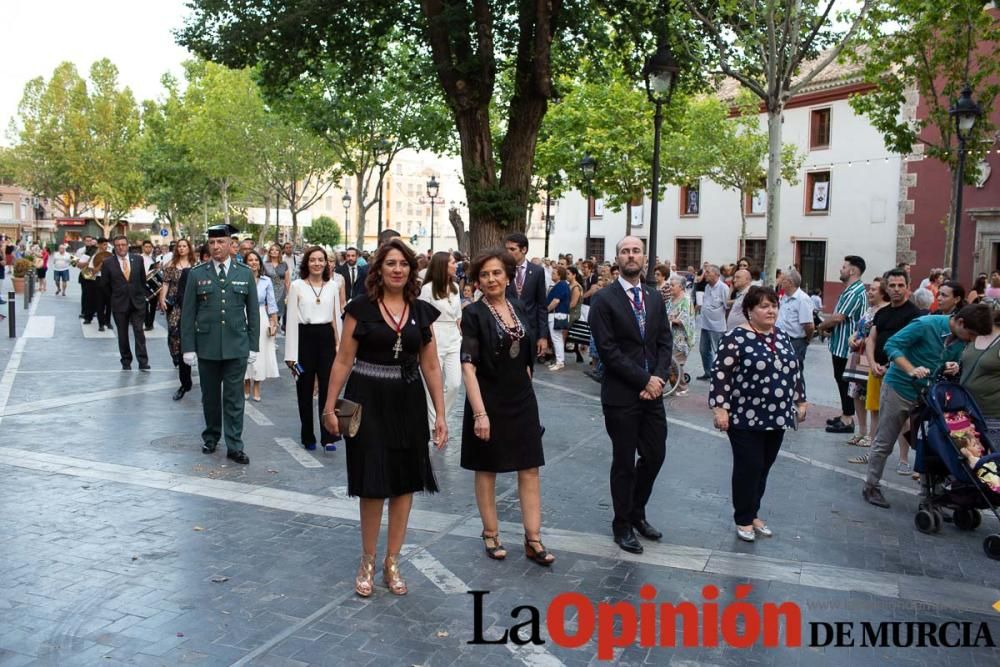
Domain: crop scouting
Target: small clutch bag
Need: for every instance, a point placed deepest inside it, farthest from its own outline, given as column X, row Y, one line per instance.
column 349, row 416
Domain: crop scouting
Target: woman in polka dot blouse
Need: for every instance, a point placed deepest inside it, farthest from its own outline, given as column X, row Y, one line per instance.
column 757, row 393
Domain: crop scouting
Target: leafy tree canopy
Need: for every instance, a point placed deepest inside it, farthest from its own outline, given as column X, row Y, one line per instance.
column 324, row 231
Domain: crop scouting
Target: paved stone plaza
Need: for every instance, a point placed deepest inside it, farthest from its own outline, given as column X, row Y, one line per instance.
column 124, row 545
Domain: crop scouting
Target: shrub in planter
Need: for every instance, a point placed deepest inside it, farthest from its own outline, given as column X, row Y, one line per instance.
column 21, row 267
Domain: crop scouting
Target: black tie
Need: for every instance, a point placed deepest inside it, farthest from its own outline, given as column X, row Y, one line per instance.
column 222, row 271
column 353, row 278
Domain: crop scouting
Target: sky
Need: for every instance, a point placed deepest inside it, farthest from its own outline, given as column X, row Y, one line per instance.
column 136, row 35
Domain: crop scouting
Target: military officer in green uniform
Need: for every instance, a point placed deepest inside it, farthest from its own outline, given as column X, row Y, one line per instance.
column 220, row 330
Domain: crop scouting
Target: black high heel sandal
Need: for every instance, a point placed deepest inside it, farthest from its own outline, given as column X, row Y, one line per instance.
column 540, row 556
column 494, row 551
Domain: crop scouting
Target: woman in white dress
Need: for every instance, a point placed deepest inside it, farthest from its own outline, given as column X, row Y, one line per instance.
column 339, row 300
column 266, row 365
column 440, row 289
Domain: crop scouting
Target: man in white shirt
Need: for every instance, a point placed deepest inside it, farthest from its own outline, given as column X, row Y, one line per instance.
column 148, row 261
column 741, row 283
column 289, row 258
column 713, row 318
column 795, row 315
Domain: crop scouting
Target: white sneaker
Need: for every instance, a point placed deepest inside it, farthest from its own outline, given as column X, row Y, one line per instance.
column 557, row 366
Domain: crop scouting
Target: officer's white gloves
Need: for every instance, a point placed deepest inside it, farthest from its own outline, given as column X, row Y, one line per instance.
column 252, row 358
column 190, row 358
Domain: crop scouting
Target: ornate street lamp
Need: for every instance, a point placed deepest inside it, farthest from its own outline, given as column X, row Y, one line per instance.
column 432, row 191
column 965, row 112
column 382, row 155
column 660, row 73
column 588, row 167
column 347, row 217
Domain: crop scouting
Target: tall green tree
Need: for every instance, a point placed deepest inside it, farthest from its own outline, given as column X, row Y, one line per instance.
column 171, row 180
column 50, row 135
column 775, row 48
column 933, row 48
column 733, row 149
column 8, row 170
column 225, row 117
column 112, row 151
column 466, row 45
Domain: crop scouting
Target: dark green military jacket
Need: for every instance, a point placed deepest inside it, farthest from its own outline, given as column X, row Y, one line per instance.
column 220, row 319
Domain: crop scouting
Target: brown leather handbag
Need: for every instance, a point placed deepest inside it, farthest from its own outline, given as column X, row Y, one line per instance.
column 348, row 416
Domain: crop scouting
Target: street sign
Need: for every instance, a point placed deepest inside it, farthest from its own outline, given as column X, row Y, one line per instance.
column 164, row 232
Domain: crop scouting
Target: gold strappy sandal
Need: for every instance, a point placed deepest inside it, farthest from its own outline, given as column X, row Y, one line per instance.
column 390, row 575
column 364, row 582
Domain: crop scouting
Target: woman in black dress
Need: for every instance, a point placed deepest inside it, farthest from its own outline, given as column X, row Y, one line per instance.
column 387, row 344
column 501, row 431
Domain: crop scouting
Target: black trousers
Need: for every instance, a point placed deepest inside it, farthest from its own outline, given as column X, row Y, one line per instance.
column 88, row 299
column 103, row 300
column 132, row 317
column 150, row 314
column 754, row 453
column 317, row 348
column 846, row 402
column 637, row 429
column 184, row 371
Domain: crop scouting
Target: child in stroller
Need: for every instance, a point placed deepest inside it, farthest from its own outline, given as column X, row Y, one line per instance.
column 957, row 462
column 963, row 434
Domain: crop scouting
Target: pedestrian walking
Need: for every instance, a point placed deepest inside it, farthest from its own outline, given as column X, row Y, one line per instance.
column 441, row 291
column 175, row 275
column 124, row 282
column 387, row 345
column 501, row 431
column 713, row 317
column 220, row 331
column 265, row 366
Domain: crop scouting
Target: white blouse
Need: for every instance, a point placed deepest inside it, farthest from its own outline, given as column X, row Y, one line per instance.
column 303, row 309
column 446, row 327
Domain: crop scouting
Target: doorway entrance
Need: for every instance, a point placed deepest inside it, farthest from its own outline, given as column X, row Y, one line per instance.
column 811, row 260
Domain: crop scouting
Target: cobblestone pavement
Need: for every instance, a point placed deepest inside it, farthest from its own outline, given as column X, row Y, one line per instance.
column 124, row 545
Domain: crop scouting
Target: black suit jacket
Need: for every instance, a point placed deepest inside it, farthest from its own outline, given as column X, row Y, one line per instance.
column 533, row 299
column 624, row 352
column 359, row 284
column 125, row 294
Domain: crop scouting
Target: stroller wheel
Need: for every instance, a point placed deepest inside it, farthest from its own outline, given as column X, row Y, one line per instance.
column 967, row 518
column 938, row 519
column 991, row 545
column 924, row 521
column 687, row 378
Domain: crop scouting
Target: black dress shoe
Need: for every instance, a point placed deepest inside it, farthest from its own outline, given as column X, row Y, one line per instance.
column 833, row 422
column 628, row 542
column 209, row 447
column 646, row 530
column 100, row 328
column 237, row 457
column 143, row 367
column 179, row 394
column 126, row 367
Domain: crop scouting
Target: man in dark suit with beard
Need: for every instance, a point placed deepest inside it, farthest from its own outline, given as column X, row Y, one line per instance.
column 529, row 286
column 354, row 275
column 630, row 328
column 123, row 277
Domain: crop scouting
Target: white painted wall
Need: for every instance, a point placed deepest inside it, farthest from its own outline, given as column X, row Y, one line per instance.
column 862, row 218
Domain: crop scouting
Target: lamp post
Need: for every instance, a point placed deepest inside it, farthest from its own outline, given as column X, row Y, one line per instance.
column 382, row 160
column 660, row 73
column 588, row 167
column 965, row 113
column 432, row 192
column 347, row 217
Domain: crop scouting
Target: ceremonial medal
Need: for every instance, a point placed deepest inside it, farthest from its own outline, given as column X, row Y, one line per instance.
column 515, row 349
column 397, row 326
column 315, row 293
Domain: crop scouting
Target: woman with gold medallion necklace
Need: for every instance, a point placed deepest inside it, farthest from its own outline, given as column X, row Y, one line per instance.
column 501, row 431
column 310, row 340
column 388, row 343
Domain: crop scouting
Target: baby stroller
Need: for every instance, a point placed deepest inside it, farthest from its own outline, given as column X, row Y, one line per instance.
column 938, row 458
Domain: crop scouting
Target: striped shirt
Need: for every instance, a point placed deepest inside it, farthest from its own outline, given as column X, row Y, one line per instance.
column 853, row 303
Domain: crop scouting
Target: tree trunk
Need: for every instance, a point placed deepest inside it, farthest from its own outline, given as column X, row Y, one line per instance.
column 485, row 228
column 359, row 196
column 295, row 226
column 292, row 200
column 743, row 226
column 224, row 191
column 773, row 190
column 628, row 224
column 267, row 221
column 459, row 226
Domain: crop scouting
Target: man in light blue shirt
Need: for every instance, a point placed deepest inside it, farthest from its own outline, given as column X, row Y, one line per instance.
column 795, row 314
column 923, row 348
column 713, row 318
